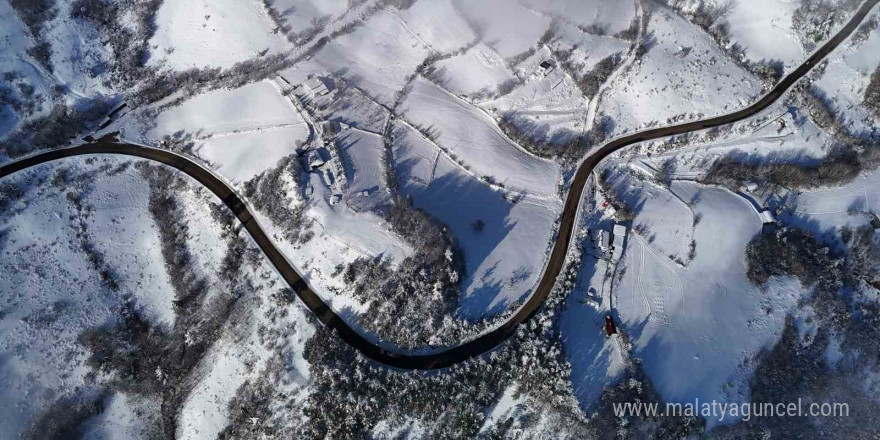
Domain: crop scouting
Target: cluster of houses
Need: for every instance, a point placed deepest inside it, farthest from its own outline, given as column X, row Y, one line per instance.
column 607, row 244
column 322, row 156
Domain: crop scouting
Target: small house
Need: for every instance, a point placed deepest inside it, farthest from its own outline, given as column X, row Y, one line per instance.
column 601, row 240
column 767, row 217
column 545, row 66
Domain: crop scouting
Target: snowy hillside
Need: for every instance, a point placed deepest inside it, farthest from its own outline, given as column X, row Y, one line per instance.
column 405, row 219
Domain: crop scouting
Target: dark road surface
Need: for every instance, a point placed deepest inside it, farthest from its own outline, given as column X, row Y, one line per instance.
column 489, row 340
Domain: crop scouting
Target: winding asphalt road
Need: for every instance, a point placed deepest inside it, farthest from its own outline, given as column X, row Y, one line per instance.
column 489, row 340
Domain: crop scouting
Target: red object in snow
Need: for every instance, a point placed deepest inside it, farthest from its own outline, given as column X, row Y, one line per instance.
column 605, row 204
column 610, row 329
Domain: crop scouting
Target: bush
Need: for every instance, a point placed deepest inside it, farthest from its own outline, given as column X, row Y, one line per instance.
column 872, row 94
column 793, row 252
column 66, row 417
column 269, row 194
column 410, row 304
column 841, row 166
column 533, row 138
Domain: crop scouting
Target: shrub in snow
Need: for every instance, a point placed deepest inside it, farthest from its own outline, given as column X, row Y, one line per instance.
column 872, row 94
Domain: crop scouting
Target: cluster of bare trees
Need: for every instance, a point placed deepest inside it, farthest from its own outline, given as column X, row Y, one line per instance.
column 590, row 81
column 814, row 20
column 411, row 303
column 158, row 85
column 872, row 94
column 127, row 26
column 623, row 211
column 534, row 139
column 18, row 93
column 797, row 367
column 842, row 165
column 62, row 124
column 155, row 361
column 35, row 14
column 449, row 402
column 270, row 193
column 793, row 252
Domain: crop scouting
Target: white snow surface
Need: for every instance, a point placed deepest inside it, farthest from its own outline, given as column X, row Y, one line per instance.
column 210, row 33
column 763, row 27
column 665, row 84
column 846, row 79
column 504, row 261
column 472, row 135
column 509, row 27
column 695, row 327
column 241, row 132
column 438, row 24
column 301, row 15
column 378, row 56
column 479, row 68
column 612, row 16
column 51, row 293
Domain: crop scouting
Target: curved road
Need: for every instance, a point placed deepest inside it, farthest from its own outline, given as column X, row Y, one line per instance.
column 489, row 340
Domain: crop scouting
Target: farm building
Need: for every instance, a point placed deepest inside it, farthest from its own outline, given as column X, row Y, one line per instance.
column 314, row 160
column 319, row 86
column 601, row 241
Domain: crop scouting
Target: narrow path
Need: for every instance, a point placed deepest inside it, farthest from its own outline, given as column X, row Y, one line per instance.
column 555, row 263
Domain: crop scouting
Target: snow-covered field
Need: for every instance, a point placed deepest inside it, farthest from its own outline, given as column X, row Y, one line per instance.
column 611, row 17
column 764, row 28
column 202, row 33
column 50, row 292
column 377, row 56
column 480, row 68
column 439, row 25
column 697, row 327
column 77, row 66
column 684, row 74
column 505, row 259
column 845, row 79
column 509, row 27
column 826, row 209
column 302, row 15
column 473, row 137
column 363, row 157
column 240, row 132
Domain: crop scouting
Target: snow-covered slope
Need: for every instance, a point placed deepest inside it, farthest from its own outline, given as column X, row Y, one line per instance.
column 506, row 255
column 200, row 33
column 683, row 75
column 471, row 134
